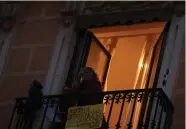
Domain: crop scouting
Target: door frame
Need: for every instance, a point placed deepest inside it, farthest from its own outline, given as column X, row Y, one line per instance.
column 158, row 68
column 84, row 54
column 107, row 54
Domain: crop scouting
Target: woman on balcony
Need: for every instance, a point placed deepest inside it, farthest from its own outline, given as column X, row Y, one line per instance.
column 87, row 83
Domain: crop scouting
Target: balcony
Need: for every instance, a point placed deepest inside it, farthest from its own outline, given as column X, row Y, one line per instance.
column 128, row 109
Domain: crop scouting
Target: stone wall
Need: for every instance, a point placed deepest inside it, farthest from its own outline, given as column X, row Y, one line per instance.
column 178, row 95
column 30, row 52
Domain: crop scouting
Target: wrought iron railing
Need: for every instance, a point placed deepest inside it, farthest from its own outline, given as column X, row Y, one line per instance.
column 128, row 109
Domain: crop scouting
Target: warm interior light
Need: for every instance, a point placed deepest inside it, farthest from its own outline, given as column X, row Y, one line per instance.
column 128, row 67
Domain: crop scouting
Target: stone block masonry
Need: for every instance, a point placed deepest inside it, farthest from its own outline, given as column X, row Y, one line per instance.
column 30, row 51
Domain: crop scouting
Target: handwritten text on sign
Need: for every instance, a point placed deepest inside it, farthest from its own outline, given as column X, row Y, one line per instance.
column 85, row 117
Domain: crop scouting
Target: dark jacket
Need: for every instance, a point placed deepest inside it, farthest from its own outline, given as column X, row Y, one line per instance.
column 87, row 87
column 35, row 98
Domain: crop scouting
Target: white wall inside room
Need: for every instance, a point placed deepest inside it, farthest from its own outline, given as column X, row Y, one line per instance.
column 123, row 72
column 124, row 64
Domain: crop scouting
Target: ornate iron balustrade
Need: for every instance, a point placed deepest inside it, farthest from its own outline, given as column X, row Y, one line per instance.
column 128, row 109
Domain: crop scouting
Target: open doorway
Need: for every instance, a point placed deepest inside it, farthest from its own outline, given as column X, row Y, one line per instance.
column 130, row 48
column 122, row 57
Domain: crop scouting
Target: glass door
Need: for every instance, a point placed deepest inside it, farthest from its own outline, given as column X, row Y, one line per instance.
column 89, row 52
column 98, row 58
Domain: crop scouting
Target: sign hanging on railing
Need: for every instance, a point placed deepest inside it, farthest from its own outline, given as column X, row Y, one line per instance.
column 85, row 117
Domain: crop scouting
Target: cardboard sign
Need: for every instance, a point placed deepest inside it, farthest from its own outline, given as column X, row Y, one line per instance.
column 85, row 117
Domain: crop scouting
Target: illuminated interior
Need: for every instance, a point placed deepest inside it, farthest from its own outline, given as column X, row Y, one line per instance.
column 131, row 52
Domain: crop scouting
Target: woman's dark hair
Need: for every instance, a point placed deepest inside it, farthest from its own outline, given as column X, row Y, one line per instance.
column 94, row 75
column 36, row 84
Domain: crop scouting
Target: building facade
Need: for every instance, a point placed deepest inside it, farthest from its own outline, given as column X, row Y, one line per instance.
column 39, row 41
